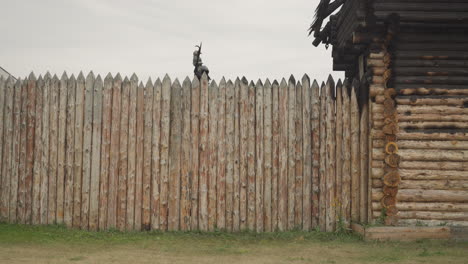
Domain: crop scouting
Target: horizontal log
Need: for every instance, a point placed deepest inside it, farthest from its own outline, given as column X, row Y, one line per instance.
column 425, row 155
column 414, row 222
column 411, row 206
column 439, row 109
column 405, row 236
column 418, row 144
column 379, row 71
column 427, row 174
column 376, row 89
column 431, row 91
column 432, row 55
column 414, row 195
column 431, row 101
column 430, row 71
column 429, row 215
column 397, row 63
column 375, row 63
column 378, row 55
column 431, row 46
column 431, row 37
column 433, row 117
column 427, row 184
column 428, row 125
column 435, row 165
column 430, row 80
column 378, row 134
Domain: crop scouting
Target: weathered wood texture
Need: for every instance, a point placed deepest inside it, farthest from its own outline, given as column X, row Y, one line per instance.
column 236, row 156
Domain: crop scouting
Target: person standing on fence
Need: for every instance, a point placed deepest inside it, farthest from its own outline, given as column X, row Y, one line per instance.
column 197, row 62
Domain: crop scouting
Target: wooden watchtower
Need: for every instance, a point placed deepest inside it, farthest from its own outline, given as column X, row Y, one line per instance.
column 411, row 59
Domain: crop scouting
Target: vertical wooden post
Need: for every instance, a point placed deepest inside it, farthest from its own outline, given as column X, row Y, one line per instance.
column 175, row 140
column 212, row 154
column 364, row 159
column 130, row 215
column 243, row 154
column 114, row 153
column 268, row 154
column 79, row 117
column 339, row 152
column 123, row 156
column 2, row 141
column 87, row 148
column 299, row 158
column 291, row 152
column 222, row 152
column 194, row 153
column 355, row 157
column 204, row 157
column 147, row 154
column 140, row 125
column 306, row 153
column 53, row 157
column 185, row 181
column 259, row 157
column 236, row 215
column 315, row 127
column 346, row 166
column 331, row 156
column 95, row 155
column 69, row 152
column 275, row 172
column 251, row 157
column 7, row 159
column 45, row 150
column 22, row 158
column 323, row 159
column 283, row 157
column 105, row 150
column 165, row 126
column 230, row 155
column 156, row 157
column 61, row 147
column 30, row 151
column 36, row 188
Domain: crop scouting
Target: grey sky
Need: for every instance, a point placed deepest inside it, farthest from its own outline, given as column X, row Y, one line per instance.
column 252, row 38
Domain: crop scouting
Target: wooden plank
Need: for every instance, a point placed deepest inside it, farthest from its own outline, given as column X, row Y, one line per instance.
column 275, row 159
column 77, row 177
column 155, row 170
column 185, row 181
column 306, row 154
column 204, row 155
column 212, row 153
column 175, row 148
column 259, row 157
column 230, row 155
column 165, row 126
column 23, row 159
column 95, row 155
column 105, row 151
column 251, row 157
column 30, row 140
column 194, row 153
column 355, row 163
column 339, row 152
column 62, row 116
column 346, row 165
column 323, row 158
column 283, row 157
column 140, row 101
column 36, row 180
column 299, row 158
column 16, row 154
column 268, row 154
column 147, row 148
column 53, row 148
column 291, row 152
column 7, row 158
column 222, row 153
column 87, row 148
column 123, row 157
column 364, row 159
column 69, row 152
column 130, row 215
column 315, row 127
column 331, row 156
column 45, row 150
column 114, row 153
column 243, row 153
column 236, row 215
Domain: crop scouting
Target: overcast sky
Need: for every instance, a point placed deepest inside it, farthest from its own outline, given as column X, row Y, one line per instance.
column 252, row 38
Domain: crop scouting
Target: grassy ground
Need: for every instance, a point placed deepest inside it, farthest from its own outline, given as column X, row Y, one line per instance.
column 55, row 244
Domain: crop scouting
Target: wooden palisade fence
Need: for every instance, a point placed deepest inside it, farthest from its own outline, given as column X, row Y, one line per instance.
column 99, row 154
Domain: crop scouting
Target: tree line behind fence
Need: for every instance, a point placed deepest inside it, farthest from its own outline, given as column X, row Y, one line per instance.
column 101, row 154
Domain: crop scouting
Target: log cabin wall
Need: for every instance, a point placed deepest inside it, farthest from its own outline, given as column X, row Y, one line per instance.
column 423, row 68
